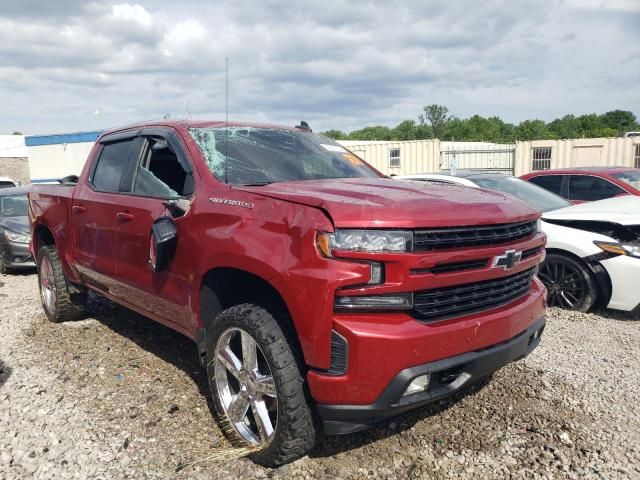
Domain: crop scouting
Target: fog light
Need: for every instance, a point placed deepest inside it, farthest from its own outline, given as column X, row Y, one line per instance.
column 418, row 384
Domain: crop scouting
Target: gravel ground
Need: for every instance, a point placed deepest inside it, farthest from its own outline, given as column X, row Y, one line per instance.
column 117, row 395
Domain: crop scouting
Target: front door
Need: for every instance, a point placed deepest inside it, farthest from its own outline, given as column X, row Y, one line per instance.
column 158, row 177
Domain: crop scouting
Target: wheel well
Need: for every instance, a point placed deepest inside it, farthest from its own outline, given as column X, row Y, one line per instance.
column 599, row 273
column 223, row 288
column 42, row 237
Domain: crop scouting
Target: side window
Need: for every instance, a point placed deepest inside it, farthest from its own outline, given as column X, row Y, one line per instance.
column 553, row 183
column 111, row 164
column 160, row 173
column 589, row 189
column 394, row 157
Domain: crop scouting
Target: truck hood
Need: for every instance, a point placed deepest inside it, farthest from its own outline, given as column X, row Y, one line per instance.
column 621, row 210
column 384, row 203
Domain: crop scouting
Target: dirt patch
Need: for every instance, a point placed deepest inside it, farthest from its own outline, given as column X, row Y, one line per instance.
column 118, row 395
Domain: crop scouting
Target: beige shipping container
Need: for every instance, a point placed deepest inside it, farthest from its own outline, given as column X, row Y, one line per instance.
column 583, row 152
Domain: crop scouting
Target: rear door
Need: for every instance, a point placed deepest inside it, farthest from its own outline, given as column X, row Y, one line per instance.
column 161, row 173
column 94, row 211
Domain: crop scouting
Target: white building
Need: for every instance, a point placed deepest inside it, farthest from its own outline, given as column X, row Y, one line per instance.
column 52, row 157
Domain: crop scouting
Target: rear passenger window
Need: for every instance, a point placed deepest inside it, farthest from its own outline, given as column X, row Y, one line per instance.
column 553, row 183
column 111, row 164
column 586, row 188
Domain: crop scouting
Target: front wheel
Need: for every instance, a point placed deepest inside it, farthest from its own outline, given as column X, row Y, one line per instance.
column 257, row 387
column 569, row 283
column 4, row 260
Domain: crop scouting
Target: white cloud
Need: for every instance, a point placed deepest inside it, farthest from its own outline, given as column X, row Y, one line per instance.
column 337, row 64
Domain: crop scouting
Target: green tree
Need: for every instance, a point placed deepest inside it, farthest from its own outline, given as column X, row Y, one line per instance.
column 565, row 127
column 336, row 134
column 620, row 120
column 17, row 133
column 533, row 130
column 406, row 130
column 372, row 133
column 437, row 116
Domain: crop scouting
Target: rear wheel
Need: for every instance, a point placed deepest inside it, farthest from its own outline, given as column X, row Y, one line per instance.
column 257, row 387
column 59, row 301
column 569, row 283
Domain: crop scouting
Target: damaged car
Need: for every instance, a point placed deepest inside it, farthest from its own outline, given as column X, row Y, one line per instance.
column 604, row 240
column 593, row 249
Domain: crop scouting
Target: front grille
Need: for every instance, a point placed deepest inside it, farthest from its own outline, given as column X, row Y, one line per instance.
column 453, row 267
column 531, row 253
column 448, row 302
column 436, row 238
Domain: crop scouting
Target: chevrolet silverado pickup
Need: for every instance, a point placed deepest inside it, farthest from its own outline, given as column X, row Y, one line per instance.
column 322, row 296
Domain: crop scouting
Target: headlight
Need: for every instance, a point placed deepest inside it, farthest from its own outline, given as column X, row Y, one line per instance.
column 538, row 225
column 17, row 237
column 394, row 241
column 619, row 248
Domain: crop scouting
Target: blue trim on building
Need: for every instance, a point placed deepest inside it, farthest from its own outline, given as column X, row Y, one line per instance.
column 60, row 138
column 45, row 180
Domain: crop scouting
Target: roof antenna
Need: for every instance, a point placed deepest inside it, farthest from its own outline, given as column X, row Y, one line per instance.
column 186, row 110
column 226, row 120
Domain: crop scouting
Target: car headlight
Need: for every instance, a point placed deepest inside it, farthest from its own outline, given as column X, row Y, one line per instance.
column 619, row 248
column 17, row 237
column 539, row 225
column 394, row 241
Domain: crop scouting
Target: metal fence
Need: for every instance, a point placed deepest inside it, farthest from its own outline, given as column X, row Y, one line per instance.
column 485, row 157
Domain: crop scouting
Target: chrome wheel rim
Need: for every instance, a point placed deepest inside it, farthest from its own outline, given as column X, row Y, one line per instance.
column 245, row 386
column 47, row 284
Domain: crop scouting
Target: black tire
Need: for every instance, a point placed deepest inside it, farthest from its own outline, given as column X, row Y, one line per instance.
column 569, row 283
column 70, row 302
column 3, row 263
column 295, row 432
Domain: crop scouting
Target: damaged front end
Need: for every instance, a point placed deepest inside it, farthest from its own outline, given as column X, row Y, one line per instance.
column 627, row 237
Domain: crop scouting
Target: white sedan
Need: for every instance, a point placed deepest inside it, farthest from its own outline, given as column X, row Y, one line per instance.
column 593, row 249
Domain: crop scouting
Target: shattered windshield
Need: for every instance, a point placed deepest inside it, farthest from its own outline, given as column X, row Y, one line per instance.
column 257, row 156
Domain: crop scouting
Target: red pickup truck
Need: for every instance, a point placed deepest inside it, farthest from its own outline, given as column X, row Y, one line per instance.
column 322, row 296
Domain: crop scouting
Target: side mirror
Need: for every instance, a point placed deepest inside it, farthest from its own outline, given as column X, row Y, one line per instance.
column 162, row 243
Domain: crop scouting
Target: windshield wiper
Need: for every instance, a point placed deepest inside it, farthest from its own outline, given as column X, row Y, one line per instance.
column 256, row 184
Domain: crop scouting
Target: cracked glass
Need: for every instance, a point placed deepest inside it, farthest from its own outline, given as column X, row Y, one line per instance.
column 259, row 156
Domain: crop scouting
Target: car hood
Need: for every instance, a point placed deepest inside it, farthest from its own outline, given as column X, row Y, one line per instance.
column 621, row 210
column 16, row 224
column 384, row 203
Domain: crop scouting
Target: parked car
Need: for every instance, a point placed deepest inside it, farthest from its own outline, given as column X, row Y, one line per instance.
column 314, row 287
column 593, row 249
column 7, row 182
column 14, row 230
column 588, row 184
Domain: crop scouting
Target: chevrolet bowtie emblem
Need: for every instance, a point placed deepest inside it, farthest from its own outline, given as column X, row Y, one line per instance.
column 507, row 261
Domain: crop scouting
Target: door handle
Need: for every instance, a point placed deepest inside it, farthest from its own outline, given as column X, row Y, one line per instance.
column 124, row 217
column 78, row 209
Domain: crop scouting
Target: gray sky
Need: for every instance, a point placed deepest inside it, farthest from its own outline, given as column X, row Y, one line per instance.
column 336, row 64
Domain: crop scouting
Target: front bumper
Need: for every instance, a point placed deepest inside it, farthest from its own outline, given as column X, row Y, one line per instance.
column 624, row 272
column 447, row 376
column 18, row 255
